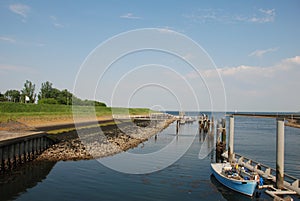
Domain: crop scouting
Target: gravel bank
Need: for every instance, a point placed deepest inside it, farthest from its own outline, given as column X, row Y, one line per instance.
column 88, row 143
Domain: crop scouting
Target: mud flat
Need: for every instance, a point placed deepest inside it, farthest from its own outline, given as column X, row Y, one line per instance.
column 96, row 143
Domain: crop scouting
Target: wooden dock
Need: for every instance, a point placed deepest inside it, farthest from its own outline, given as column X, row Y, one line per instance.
column 291, row 184
column 291, row 119
column 283, row 184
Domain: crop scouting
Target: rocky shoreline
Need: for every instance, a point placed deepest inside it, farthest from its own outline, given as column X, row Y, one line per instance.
column 89, row 143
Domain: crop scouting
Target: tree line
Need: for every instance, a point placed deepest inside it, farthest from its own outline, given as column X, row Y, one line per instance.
column 47, row 95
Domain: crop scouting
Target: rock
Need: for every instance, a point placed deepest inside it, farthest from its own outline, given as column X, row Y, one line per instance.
column 117, row 139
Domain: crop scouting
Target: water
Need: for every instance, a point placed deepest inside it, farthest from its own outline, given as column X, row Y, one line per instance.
column 189, row 178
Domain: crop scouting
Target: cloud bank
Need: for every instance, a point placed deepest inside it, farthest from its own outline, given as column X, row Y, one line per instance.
column 257, row 87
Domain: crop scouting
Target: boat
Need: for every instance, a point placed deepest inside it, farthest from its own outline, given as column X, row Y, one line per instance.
column 237, row 179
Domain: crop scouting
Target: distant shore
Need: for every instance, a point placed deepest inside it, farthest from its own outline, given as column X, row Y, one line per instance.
column 291, row 120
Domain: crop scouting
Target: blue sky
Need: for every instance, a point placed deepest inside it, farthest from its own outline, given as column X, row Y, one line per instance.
column 254, row 45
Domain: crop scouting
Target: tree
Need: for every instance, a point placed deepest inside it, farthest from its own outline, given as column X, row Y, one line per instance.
column 49, row 93
column 2, row 97
column 46, row 90
column 13, row 95
column 28, row 91
column 65, row 97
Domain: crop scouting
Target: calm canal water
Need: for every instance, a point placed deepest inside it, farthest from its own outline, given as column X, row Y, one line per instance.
column 189, row 178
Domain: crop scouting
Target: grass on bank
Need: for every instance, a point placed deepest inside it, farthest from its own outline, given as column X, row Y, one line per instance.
column 14, row 111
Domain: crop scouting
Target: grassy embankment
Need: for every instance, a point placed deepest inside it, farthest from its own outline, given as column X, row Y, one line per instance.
column 43, row 112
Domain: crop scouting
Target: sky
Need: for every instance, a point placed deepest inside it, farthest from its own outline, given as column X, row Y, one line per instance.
column 166, row 55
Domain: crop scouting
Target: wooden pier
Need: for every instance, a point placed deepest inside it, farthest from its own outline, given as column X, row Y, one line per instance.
column 283, row 184
column 291, row 119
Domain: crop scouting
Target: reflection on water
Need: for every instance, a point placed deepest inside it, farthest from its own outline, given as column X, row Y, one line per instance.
column 27, row 176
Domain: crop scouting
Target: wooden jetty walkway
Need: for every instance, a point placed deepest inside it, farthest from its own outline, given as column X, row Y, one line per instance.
column 283, row 184
column 291, row 119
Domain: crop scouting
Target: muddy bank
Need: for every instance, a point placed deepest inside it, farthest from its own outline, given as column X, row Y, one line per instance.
column 90, row 143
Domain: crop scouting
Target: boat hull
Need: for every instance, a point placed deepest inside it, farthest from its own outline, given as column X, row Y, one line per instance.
column 246, row 187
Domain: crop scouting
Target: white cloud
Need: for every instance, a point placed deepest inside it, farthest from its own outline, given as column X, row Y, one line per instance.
column 20, row 9
column 206, row 15
column 293, row 60
column 55, row 22
column 130, row 16
column 58, row 25
column 258, row 88
column 223, row 16
column 260, row 53
column 7, row 39
column 249, row 72
column 265, row 16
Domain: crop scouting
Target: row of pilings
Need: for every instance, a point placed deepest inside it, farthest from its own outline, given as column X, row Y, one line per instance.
column 14, row 152
column 204, row 122
column 206, row 125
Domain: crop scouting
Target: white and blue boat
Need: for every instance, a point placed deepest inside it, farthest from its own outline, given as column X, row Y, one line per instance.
column 245, row 185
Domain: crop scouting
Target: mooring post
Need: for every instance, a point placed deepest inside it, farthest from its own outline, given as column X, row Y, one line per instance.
column 224, row 131
column 231, row 138
column 218, row 132
column 280, row 153
column 220, row 146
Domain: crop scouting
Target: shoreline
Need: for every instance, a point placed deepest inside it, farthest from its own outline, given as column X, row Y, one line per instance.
column 82, row 141
column 89, row 144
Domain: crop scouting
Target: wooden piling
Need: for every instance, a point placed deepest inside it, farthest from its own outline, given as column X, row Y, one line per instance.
column 223, row 131
column 231, row 138
column 220, row 146
column 280, row 153
column 218, row 130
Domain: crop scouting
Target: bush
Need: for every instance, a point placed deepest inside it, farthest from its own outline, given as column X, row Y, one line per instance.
column 47, row 101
